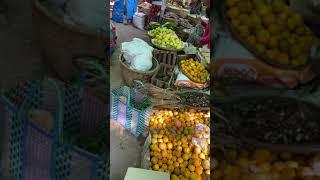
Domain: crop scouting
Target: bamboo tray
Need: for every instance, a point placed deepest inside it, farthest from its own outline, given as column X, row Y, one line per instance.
column 164, row 48
column 302, row 148
column 236, row 36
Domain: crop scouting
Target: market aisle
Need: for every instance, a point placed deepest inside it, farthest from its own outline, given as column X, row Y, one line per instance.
column 125, row 149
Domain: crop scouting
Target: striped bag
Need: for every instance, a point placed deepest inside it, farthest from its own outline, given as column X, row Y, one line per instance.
column 131, row 109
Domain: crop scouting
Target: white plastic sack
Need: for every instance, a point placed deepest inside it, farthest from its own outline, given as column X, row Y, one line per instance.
column 92, row 13
column 138, row 20
column 138, row 54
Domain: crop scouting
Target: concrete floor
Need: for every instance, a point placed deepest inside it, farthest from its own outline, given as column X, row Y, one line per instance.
column 125, row 148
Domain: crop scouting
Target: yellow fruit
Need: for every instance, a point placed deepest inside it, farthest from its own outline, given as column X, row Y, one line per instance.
column 243, row 18
column 273, row 43
column 251, row 40
column 244, row 6
column 262, row 156
column 283, row 59
column 263, row 37
column 230, row 3
column 274, row 29
column 267, row 20
column 156, row 167
column 233, row 12
column 263, row 10
column 261, row 48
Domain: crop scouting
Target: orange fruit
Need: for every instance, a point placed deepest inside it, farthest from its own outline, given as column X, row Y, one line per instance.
column 199, row 170
column 185, row 157
column 202, row 155
column 156, row 167
column 162, row 146
column 180, row 160
column 154, row 160
column 191, row 168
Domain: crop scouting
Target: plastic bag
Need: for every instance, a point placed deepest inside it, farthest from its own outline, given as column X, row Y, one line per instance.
column 201, row 137
column 138, row 20
column 138, row 54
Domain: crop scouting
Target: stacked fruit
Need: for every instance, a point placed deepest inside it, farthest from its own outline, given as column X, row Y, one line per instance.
column 272, row 30
column 159, row 30
column 178, row 119
column 194, row 70
column 172, row 149
column 263, row 164
column 167, row 38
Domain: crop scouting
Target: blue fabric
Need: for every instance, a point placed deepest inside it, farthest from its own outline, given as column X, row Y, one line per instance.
column 118, row 11
column 131, row 7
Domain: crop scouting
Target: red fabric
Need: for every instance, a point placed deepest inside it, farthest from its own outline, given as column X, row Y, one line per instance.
column 205, row 39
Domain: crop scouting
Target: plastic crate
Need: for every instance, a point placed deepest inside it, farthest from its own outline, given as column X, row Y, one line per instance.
column 124, row 112
column 40, row 153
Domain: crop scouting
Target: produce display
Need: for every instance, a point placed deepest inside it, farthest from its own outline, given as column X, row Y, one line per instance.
column 274, row 120
column 180, row 145
column 271, row 30
column 160, row 30
column 262, row 164
column 194, row 70
column 195, row 99
column 167, row 39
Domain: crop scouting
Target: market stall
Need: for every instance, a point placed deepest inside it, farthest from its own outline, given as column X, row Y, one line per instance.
column 265, row 96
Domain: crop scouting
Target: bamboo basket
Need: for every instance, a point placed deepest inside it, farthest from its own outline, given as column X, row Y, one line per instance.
column 59, row 41
column 129, row 75
column 166, row 57
column 160, row 83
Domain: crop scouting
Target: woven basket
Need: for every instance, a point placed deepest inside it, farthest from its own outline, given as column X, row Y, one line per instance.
column 60, row 41
column 129, row 75
column 170, row 20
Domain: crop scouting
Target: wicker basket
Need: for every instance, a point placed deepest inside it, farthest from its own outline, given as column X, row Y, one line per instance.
column 129, row 75
column 170, row 20
column 184, row 35
column 179, row 11
column 160, row 83
column 60, row 41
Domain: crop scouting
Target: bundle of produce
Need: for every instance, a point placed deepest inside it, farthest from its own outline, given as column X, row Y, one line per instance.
column 171, row 15
column 184, row 23
column 195, row 35
column 172, row 147
column 195, row 99
column 271, row 31
column 273, row 120
column 158, row 95
column 194, row 70
column 256, row 164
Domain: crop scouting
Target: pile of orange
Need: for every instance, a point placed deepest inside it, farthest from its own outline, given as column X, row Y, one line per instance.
column 172, row 150
column 175, row 119
column 194, row 70
column 259, row 164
